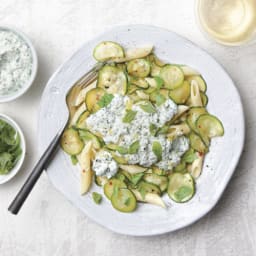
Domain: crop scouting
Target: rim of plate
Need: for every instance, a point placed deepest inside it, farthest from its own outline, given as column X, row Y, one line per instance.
column 232, row 168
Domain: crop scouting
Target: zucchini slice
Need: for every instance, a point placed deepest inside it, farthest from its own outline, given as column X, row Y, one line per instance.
column 132, row 88
column 140, row 82
column 180, row 94
column 172, row 75
column 108, row 50
column 193, row 115
column 71, row 142
column 132, row 169
column 188, row 71
column 158, row 171
column 138, row 68
column 124, row 200
column 81, row 124
column 197, row 143
column 160, row 181
column 181, row 187
column 92, row 98
column 204, row 98
column 110, row 186
column 149, row 188
column 200, row 81
column 155, row 70
column 112, row 80
column 209, row 126
column 87, row 136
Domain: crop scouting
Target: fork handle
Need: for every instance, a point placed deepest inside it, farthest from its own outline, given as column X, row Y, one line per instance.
column 35, row 174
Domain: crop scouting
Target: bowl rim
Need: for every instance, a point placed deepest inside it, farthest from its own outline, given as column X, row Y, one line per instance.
column 18, row 165
column 28, row 84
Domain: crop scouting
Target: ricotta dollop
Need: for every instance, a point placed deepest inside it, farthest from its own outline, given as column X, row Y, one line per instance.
column 108, row 121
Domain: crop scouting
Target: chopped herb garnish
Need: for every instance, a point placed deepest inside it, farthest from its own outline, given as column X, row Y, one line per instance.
column 159, row 82
column 129, row 116
column 122, row 150
column 136, row 178
column 160, row 99
column 74, row 160
column 183, row 192
column 163, row 130
column 97, row 198
column 157, row 150
column 105, row 100
column 153, row 129
column 148, row 107
column 127, row 201
column 134, row 147
column 190, row 156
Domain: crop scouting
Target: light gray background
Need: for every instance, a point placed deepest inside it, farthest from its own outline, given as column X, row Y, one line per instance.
column 48, row 224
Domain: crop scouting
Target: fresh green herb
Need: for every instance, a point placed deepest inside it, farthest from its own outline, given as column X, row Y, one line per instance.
column 160, row 99
column 157, row 150
column 136, row 178
column 143, row 192
column 134, row 147
column 153, row 129
column 115, row 191
column 105, row 100
column 183, row 192
column 148, row 107
column 121, row 150
column 129, row 116
column 10, row 150
column 74, row 160
column 96, row 197
column 127, row 201
column 159, row 82
column 190, row 156
column 163, row 130
column 120, row 176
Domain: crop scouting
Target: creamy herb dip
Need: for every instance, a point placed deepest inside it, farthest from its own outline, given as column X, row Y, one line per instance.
column 15, row 62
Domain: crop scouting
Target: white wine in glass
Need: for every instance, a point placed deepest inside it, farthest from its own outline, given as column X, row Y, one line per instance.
column 230, row 22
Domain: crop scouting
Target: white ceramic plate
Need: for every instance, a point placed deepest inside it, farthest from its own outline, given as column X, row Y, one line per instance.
column 17, row 167
column 220, row 163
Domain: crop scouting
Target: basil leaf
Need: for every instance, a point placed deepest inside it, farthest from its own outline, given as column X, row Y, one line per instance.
column 134, row 147
column 129, row 116
column 159, row 82
column 163, row 130
column 153, row 129
column 96, row 197
column 157, row 150
column 160, row 99
column 74, row 160
column 190, row 156
column 183, row 192
column 136, row 178
column 148, row 107
column 105, row 100
column 122, row 150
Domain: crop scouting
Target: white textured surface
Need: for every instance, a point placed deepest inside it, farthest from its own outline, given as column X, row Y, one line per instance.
column 224, row 152
column 48, row 224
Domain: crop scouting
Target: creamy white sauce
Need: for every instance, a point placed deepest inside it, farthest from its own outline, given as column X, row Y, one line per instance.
column 15, row 62
column 104, row 164
column 108, row 121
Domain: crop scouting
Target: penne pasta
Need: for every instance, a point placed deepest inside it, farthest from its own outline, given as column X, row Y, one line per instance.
column 132, row 169
column 81, row 96
column 77, row 114
column 188, row 71
column 197, row 166
column 149, row 198
column 196, row 100
column 178, row 130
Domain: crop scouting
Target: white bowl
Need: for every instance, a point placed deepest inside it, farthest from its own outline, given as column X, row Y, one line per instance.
column 6, row 177
column 25, row 87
